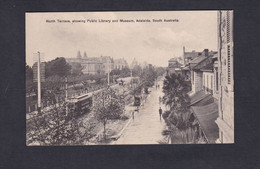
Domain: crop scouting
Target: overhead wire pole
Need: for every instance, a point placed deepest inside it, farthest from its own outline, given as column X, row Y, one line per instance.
column 108, row 74
column 66, row 95
column 39, row 83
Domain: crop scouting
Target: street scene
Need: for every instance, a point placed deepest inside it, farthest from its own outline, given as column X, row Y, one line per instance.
column 147, row 125
column 129, row 78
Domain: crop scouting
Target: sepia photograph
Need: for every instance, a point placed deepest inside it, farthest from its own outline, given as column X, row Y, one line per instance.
column 129, row 78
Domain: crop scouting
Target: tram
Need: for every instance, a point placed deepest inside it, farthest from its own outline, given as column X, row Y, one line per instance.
column 81, row 104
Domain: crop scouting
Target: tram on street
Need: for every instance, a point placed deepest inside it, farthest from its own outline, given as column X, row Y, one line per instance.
column 82, row 104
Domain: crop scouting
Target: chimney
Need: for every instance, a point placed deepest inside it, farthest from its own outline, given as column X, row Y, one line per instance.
column 206, row 52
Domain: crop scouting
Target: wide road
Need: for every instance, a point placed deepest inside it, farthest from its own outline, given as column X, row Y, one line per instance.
column 146, row 127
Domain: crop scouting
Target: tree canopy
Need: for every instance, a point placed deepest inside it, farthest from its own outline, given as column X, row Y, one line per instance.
column 58, row 66
column 107, row 105
column 177, row 118
column 175, row 90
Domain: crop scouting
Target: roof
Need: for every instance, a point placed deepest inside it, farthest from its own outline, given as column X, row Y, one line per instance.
column 185, row 68
column 199, row 96
column 208, row 67
column 215, row 56
column 172, row 60
column 191, row 54
column 206, row 116
column 198, row 60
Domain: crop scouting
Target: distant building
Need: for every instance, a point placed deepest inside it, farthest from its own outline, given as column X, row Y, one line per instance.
column 173, row 66
column 97, row 65
column 107, row 63
column 197, row 66
column 120, row 64
column 133, row 64
column 225, row 120
column 188, row 56
column 91, row 66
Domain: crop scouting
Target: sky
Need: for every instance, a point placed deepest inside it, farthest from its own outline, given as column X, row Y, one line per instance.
column 151, row 42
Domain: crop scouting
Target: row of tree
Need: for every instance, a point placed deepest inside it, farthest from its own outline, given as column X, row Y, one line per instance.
column 57, row 125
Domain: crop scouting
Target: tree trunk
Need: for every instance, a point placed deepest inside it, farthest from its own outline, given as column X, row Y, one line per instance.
column 187, row 135
column 183, row 137
column 104, row 133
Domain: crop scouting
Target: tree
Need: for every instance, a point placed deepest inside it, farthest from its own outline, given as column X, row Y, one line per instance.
column 107, row 105
column 175, row 90
column 137, row 70
column 58, row 66
column 76, row 69
column 28, row 73
column 54, row 127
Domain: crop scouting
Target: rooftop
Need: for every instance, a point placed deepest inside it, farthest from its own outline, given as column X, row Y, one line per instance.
column 207, row 68
column 206, row 116
column 198, row 60
column 199, row 98
column 192, row 54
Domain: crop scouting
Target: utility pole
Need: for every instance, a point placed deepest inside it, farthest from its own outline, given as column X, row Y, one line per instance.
column 39, row 83
column 66, row 95
column 108, row 74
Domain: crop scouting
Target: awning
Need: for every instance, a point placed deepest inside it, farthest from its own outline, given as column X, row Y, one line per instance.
column 199, row 97
column 206, row 116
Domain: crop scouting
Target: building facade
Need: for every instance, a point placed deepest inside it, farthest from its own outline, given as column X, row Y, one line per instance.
column 97, row 65
column 120, row 64
column 225, row 120
column 201, row 71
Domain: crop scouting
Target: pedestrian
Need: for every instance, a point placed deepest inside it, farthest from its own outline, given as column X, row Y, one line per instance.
column 133, row 115
column 160, row 112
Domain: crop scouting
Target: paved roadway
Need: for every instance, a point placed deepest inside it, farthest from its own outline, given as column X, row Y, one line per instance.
column 146, row 128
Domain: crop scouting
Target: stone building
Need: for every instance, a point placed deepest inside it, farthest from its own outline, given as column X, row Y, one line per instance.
column 107, row 63
column 225, row 120
column 120, row 64
column 97, row 65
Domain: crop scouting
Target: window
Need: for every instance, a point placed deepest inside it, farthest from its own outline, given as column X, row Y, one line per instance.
column 204, row 81
column 228, row 64
column 211, row 84
column 207, row 83
column 229, row 41
column 228, row 27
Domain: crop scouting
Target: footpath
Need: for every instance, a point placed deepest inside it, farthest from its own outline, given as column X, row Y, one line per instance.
column 146, row 127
